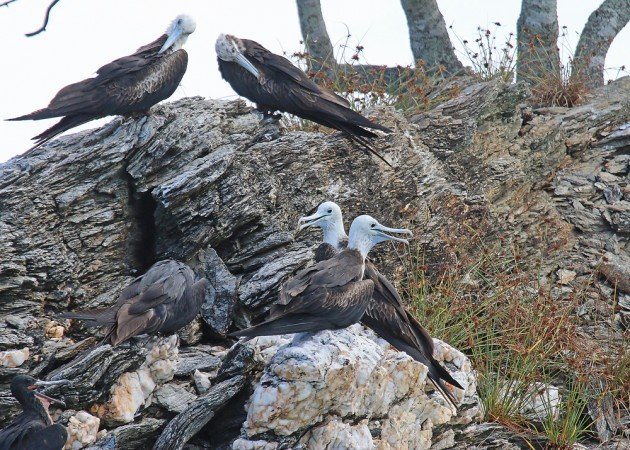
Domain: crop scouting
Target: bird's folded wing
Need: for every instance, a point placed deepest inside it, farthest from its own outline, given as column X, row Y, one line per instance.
column 132, row 63
column 283, row 66
column 129, row 325
column 165, row 290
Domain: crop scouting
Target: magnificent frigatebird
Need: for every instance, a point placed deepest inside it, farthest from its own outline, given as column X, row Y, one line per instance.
column 331, row 294
column 275, row 84
column 33, row 428
column 385, row 314
column 163, row 300
column 128, row 85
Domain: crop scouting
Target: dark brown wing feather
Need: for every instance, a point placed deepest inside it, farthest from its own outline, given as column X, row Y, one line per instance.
column 317, row 309
column 331, row 294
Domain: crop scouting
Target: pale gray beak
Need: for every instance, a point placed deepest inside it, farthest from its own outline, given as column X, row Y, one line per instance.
column 308, row 221
column 246, row 64
column 381, row 231
column 176, row 34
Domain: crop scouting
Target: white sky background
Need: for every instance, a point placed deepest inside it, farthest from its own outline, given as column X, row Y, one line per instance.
column 83, row 35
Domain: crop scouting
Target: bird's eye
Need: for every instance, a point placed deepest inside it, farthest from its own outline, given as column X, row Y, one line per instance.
column 329, row 211
column 373, row 225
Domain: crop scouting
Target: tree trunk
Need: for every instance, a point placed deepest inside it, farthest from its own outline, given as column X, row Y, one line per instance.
column 598, row 33
column 315, row 35
column 537, row 40
column 428, row 36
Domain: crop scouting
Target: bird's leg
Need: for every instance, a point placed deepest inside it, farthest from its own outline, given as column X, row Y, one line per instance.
column 270, row 124
column 268, row 115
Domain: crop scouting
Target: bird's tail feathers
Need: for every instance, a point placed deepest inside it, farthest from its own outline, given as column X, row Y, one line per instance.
column 63, row 125
column 281, row 325
column 363, row 142
column 442, row 389
column 93, row 317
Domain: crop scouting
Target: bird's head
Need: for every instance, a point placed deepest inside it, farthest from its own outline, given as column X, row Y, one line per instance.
column 366, row 232
column 27, row 391
column 231, row 49
column 178, row 32
column 329, row 218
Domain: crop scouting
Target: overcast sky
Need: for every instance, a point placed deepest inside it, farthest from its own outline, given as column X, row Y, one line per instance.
column 85, row 34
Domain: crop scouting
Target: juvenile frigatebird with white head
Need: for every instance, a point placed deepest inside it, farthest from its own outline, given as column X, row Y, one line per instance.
column 385, row 314
column 163, row 300
column 33, row 428
column 275, row 84
column 331, row 294
column 126, row 86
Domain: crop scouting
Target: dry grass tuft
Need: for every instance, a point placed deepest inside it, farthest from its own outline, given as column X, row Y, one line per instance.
column 490, row 304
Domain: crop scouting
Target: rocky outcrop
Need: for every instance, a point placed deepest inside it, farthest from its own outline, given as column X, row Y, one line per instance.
column 204, row 182
column 350, row 389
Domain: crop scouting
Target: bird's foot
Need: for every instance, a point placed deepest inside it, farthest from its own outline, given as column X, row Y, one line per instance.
column 269, row 127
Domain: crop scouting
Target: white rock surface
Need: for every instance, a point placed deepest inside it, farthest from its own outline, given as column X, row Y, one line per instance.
column 316, row 387
column 82, row 430
column 14, row 358
column 133, row 389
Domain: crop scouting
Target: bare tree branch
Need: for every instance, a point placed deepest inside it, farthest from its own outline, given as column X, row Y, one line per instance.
column 43, row 27
column 428, row 35
column 7, row 3
column 600, row 30
column 537, row 40
column 315, row 35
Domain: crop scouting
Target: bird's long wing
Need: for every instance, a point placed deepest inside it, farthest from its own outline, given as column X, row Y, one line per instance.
column 337, row 271
column 283, row 68
column 317, row 309
column 387, row 297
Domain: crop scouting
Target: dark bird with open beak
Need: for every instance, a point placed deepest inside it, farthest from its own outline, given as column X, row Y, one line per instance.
column 33, row 428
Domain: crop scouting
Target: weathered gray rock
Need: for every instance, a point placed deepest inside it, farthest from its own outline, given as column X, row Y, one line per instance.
column 134, row 435
column 199, row 412
column 218, row 307
column 84, row 214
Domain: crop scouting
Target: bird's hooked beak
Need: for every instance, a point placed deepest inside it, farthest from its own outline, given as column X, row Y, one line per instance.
column 308, row 221
column 382, row 230
column 245, row 63
column 48, row 384
column 172, row 38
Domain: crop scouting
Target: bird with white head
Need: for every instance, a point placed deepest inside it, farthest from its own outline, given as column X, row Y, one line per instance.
column 386, row 314
column 333, row 293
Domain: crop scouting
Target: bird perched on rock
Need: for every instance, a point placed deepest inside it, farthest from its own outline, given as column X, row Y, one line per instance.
column 131, row 84
column 385, row 314
column 163, row 300
column 275, row 84
column 33, row 428
column 331, row 294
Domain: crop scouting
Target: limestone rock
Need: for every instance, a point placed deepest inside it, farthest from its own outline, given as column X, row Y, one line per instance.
column 133, row 389
column 347, row 374
column 82, row 430
column 14, row 358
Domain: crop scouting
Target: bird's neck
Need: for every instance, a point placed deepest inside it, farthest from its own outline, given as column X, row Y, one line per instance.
column 334, row 234
column 39, row 407
column 360, row 243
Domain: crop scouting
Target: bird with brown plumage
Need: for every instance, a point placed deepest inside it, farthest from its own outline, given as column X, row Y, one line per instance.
column 163, row 300
column 385, row 314
column 128, row 85
column 275, row 84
